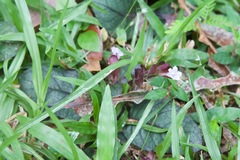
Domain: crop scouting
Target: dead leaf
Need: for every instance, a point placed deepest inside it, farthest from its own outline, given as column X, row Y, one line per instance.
column 182, row 4
column 218, row 35
column 94, row 58
column 214, row 84
column 219, row 68
column 82, row 105
column 135, row 96
column 204, row 39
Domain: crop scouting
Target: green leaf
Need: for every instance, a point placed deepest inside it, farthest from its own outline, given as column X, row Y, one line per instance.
column 163, row 120
column 90, row 41
column 223, row 115
column 82, row 127
column 156, row 94
column 159, row 81
column 223, row 57
column 57, row 89
column 114, row 13
column 179, row 93
column 189, row 58
column 53, row 139
column 106, row 130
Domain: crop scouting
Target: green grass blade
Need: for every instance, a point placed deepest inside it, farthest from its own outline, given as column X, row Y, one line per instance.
column 208, row 137
column 53, row 139
column 81, row 9
column 136, row 130
column 63, row 131
column 175, row 136
column 53, row 55
column 31, row 151
column 7, row 131
column 31, row 42
column 93, row 81
column 162, row 148
column 153, row 19
column 8, row 153
column 106, row 131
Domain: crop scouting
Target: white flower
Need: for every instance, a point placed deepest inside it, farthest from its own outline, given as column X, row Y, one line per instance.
column 174, row 73
column 144, row 10
column 117, row 52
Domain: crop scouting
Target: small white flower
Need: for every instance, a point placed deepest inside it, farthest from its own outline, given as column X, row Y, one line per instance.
column 117, row 52
column 144, row 10
column 174, row 73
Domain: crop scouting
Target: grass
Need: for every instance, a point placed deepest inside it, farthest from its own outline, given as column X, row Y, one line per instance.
column 114, row 112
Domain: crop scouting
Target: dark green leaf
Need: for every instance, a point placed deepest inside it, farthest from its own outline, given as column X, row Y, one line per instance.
column 114, row 13
column 57, row 89
column 163, row 120
column 8, row 49
column 67, row 113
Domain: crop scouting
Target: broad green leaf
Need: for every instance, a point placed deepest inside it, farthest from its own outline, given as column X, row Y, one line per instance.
column 163, row 120
column 53, row 139
column 189, row 58
column 179, row 93
column 156, row 94
column 68, row 113
column 114, row 13
column 223, row 57
column 159, row 81
column 8, row 49
column 106, row 129
column 57, row 89
column 223, row 115
column 90, row 41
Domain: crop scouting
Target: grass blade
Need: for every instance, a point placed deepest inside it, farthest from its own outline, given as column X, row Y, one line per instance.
column 32, row 45
column 136, row 130
column 175, row 136
column 53, row 139
column 7, row 131
column 208, row 137
column 93, row 81
column 107, row 131
column 63, row 131
column 153, row 19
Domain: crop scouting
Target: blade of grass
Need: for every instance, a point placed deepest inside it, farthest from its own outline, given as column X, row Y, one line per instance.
column 81, row 9
column 31, row 151
column 137, row 54
column 238, row 142
column 8, row 153
column 106, row 131
column 7, row 131
column 53, row 56
column 53, row 139
column 152, row 18
column 31, row 42
column 77, row 93
column 211, row 143
column 136, row 130
column 162, row 148
column 63, row 131
column 175, row 137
